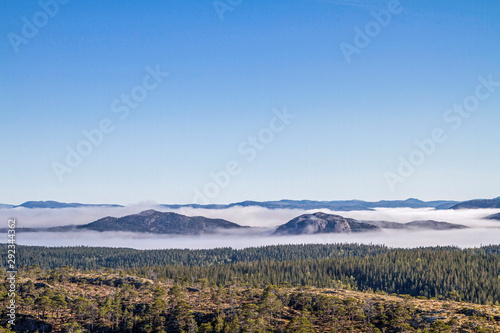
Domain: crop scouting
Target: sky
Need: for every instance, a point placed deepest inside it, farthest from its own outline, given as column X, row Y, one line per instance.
column 222, row 101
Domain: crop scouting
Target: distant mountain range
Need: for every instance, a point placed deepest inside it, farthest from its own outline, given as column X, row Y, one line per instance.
column 54, row 205
column 342, row 205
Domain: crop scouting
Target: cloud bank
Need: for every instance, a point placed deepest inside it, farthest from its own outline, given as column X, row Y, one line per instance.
column 481, row 232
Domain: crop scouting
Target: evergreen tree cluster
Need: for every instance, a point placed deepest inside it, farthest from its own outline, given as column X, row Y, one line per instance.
column 471, row 275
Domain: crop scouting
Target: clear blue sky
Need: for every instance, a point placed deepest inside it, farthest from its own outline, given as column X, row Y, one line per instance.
column 352, row 119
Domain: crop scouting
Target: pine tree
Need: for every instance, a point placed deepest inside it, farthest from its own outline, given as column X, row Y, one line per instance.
column 300, row 325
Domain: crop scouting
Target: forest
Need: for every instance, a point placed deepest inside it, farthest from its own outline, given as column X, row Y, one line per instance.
column 111, row 300
column 471, row 275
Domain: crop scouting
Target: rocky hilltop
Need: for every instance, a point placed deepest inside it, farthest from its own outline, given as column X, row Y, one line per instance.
column 321, row 223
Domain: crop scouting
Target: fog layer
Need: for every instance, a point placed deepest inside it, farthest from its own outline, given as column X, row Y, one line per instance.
column 481, row 232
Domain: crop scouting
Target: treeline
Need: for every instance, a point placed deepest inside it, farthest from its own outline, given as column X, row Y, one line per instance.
column 443, row 272
column 96, row 257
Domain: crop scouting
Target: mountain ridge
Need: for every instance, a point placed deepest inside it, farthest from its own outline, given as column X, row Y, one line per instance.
column 57, row 205
column 339, row 205
column 335, row 205
column 478, row 203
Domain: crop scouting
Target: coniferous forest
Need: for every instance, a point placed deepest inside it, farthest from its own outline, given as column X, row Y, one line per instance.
column 474, row 274
column 285, row 288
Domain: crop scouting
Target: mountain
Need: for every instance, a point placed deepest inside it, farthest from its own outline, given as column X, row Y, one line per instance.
column 494, row 217
column 339, row 205
column 152, row 221
column 55, row 205
column 6, row 206
column 425, row 224
column 342, row 205
column 318, row 223
column 478, row 203
column 321, row 223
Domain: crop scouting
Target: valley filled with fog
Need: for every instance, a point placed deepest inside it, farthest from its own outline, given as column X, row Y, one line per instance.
column 480, row 232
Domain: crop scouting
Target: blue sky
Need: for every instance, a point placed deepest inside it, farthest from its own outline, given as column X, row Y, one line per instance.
column 227, row 79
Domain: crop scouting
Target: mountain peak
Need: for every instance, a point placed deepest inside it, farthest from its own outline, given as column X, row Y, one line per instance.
column 413, row 200
column 325, row 215
column 149, row 212
column 319, row 223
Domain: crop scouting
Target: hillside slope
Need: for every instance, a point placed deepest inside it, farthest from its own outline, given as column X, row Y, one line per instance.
column 68, row 300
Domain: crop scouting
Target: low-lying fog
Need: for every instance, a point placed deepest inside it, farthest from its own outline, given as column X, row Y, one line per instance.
column 481, row 232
